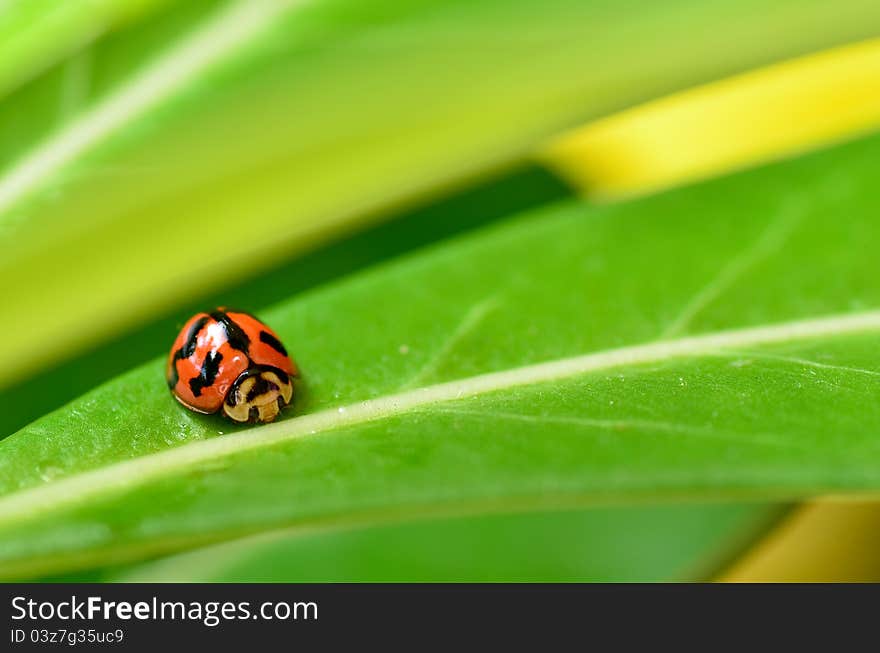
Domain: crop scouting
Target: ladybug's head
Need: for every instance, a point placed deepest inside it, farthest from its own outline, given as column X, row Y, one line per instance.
column 258, row 394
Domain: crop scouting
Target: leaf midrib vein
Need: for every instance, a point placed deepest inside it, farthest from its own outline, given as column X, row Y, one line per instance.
column 128, row 474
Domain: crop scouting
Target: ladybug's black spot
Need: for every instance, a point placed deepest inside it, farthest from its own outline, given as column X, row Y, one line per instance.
column 273, row 342
column 192, row 337
column 235, row 335
column 207, row 374
column 187, row 350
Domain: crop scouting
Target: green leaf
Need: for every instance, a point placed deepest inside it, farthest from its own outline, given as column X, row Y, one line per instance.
column 635, row 544
column 220, row 138
column 718, row 341
column 483, row 203
column 34, row 34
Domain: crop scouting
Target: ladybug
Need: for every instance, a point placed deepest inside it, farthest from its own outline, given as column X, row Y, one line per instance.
column 230, row 360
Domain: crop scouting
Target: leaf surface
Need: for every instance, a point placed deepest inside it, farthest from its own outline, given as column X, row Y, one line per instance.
column 632, row 544
column 34, row 34
column 718, row 341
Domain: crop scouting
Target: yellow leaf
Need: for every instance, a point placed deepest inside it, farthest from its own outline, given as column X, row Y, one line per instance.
column 759, row 116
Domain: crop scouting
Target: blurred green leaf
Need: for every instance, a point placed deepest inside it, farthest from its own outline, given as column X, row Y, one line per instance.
column 219, row 138
column 544, row 363
column 34, row 34
column 636, row 544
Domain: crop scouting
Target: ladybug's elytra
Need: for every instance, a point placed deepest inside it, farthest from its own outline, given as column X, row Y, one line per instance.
column 230, row 359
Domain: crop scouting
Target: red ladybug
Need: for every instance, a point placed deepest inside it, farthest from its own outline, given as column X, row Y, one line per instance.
column 231, row 360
